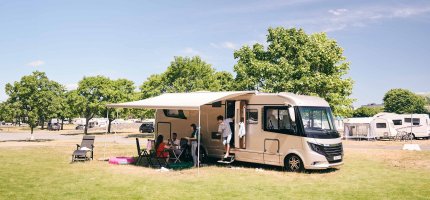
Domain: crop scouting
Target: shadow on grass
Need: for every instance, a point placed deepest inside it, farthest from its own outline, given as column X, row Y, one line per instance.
column 257, row 166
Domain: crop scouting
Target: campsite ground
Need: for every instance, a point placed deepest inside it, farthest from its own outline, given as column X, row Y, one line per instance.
column 42, row 170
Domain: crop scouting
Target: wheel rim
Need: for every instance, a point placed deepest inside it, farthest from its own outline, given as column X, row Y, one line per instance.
column 294, row 163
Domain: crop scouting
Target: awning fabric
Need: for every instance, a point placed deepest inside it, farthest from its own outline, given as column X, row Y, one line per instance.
column 179, row 101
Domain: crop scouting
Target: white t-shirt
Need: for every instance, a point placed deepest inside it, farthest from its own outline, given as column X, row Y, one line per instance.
column 177, row 142
column 224, row 127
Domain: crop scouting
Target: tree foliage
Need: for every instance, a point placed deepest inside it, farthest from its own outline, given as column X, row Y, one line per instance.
column 121, row 90
column 299, row 63
column 92, row 96
column 403, row 101
column 187, row 75
column 37, row 98
column 365, row 111
column 6, row 112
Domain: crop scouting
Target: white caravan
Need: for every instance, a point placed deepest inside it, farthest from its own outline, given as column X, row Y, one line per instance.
column 282, row 129
column 417, row 124
column 369, row 128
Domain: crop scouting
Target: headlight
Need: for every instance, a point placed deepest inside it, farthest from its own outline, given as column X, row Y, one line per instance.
column 317, row 148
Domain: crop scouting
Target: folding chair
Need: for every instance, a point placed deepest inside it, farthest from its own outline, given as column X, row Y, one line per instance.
column 142, row 153
column 87, row 145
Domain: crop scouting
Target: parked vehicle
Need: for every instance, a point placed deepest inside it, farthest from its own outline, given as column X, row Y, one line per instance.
column 146, row 127
column 282, row 129
column 80, row 127
column 54, row 126
column 417, row 125
column 369, row 128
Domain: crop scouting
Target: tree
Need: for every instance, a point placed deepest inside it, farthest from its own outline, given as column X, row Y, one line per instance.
column 6, row 112
column 403, row 101
column 121, row 90
column 187, row 75
column 367, row 111
column 91, row 97
column 67, row 104
column 299, row 63
column 36, row 96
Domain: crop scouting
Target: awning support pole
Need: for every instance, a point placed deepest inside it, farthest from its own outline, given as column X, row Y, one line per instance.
column 104, row 150
column 198, row 145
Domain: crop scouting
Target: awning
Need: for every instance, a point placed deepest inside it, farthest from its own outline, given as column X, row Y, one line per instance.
column 180, row 101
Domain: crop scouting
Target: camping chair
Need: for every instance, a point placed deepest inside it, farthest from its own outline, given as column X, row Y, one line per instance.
column 87, row 145
column 142, row 153
column 150, row 154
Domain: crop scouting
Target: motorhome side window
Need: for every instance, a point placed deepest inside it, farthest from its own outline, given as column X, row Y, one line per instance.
column 397, row 122
column 252, row 116
column 415, row 121
column 381, row 125
column 174, row 113
column 278, row 120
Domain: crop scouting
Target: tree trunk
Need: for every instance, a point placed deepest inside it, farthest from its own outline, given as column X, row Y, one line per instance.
column 43, row 124
column 31, row 135
column 62, row 123
column 87, row 121
column 109, row 125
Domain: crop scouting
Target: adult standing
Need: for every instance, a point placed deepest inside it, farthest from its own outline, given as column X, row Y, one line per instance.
column 225, row 130
column 195, row 135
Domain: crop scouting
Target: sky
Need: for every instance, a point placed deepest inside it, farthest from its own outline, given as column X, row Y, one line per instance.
column 386, row 42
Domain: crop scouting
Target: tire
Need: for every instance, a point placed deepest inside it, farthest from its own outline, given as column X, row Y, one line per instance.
column 293, row 163
column 411, row 136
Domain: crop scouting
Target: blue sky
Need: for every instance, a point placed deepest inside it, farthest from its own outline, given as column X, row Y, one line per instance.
column 387, row 42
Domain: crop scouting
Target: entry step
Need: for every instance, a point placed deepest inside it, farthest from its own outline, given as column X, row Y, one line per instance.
column 227, row 160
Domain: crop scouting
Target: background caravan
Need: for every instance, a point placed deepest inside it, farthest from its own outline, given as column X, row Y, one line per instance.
column 417, row 124
column 369, row 128
column 282, row 129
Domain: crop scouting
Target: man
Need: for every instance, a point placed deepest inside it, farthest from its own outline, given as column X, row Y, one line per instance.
column 224, row 129
column 175, row 140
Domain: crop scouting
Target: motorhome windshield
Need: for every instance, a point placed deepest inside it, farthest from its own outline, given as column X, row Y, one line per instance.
column 318, row 122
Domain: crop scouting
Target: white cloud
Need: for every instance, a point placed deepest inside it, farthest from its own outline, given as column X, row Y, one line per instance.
column 338, row 12
column 340, row 19
column 72, row 86
column 36, row 63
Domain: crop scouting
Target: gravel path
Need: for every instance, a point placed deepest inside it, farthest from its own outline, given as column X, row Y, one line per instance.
column 123, row 139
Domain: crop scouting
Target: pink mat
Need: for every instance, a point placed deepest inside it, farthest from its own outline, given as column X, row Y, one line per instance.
column 121, row 160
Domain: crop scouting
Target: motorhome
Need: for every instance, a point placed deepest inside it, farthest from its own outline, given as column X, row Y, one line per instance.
column 282, row 129
column 418, row 125
column 369, row 128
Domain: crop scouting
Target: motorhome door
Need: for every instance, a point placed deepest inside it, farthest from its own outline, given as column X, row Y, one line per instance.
column 240, row 117
column 230, row 113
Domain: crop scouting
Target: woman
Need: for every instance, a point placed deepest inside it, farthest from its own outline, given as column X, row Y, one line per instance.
column 195, row 134
column 160, row 148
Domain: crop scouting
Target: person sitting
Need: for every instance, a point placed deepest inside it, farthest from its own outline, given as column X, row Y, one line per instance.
column 175, row 141
column 160, row 148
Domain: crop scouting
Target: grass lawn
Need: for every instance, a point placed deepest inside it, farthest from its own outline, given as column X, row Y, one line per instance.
column 44, row 172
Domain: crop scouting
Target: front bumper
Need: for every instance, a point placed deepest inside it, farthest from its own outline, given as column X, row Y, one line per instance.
column 323, row 165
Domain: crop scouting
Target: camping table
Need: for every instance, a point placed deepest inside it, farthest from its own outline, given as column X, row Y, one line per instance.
column 176, row 155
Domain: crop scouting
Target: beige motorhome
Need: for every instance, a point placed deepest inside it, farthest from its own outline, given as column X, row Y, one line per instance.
column 282, row 129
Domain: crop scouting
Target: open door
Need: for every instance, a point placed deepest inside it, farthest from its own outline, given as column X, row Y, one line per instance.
column 240, row 117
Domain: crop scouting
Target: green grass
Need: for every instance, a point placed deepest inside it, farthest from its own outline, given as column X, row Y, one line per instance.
column 45, row 172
